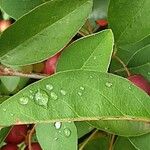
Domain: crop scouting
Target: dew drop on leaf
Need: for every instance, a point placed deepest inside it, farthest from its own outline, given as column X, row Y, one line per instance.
column 24, row 100
column 31, row 91
column 12, row 115
column 67, row 132
column 91, row 76
column 57, row 125
column 79, row 93
column 81, row 88
column 49, row 87
column 129, row 87
column 94, row 57
column 108, row 84
column 31, row 97
column 56, row 139
column 54, row 96
column 41, row 98
column 4, row 109
column 63, row 92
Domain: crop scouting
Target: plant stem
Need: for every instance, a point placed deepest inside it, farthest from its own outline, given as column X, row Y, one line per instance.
column 4, row 71
column 123, row 64
column 111, row 142
column 30, row 137
column 89, row 27
column 87, row 140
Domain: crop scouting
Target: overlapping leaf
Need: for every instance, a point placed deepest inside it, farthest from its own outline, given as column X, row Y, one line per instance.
column 16, row 8
column 92, row 52
column 57, row 136
column 30, row 42
column 134, row 143
column 81, row 95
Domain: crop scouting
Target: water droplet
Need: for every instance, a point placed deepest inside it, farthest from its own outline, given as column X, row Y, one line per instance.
column 56, row 139
column 31, row 97
column 67, row 132
column 91, row 77
column 81, row 88
column 54, row 96
column 79, row 93
column 41, row 98
column 23, row 100
column 63, row 92
column 57, row 125
column 49, row 87
column 12, row 115
column 31, row 91
column 108, row 84
column 4, row 109
column 94, row 57
column 129, row 87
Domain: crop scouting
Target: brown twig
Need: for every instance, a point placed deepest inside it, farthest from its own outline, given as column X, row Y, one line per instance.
column 30, row 137
column 123, row 64
column 5, row 71
column 87, row 140
column 89, row 27
column 111, row 142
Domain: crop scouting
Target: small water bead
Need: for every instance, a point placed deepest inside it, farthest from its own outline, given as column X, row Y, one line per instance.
column 41, row 98
column 57, row 125
column 31, row 91
column 12, row 115
column 95, row 57
column 91, row 76
column 108, row 84
column 67, row 132
column 56, row 139
column 81, row 88
column 63, row 92
column 54, row 96
column 49, row 87
column 79, row 93
column 129, row 87
column 24, row 100
column 31, row 97
column 4, row 109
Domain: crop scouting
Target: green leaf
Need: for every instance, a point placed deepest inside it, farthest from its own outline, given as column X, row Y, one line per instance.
column 16, row 8
column 3, row 98
column 143, row 70
column 129, row 20
column 133, row 143
column 11, row 85
column 80, row 96
column 141, row 142
column 45, row 36
column 98, row 144
column 55, row 137
column 92, row 52
column 3, row 133
column 123, row 144
column 141, row 57
column 83, row 128
column 126, row 53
